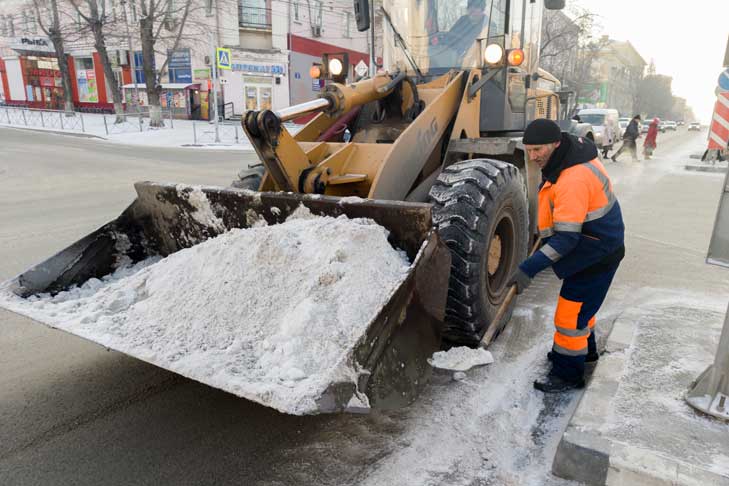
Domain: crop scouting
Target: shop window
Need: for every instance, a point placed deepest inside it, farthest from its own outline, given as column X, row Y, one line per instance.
column 257, row 93
column 139, row 67
column 88, row 91
column 84, row 63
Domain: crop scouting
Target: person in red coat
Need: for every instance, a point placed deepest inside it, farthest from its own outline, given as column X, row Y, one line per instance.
column 650, row 139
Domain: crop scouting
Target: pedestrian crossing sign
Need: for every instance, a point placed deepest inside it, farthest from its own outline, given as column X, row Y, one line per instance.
column 223, row 58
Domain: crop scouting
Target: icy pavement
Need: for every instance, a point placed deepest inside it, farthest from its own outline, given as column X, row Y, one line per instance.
column 633, row 425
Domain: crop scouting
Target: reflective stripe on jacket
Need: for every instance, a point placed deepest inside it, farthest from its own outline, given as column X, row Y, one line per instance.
column 580, row 221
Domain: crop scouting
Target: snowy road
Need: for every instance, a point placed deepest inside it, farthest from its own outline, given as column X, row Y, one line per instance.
column 72, row 413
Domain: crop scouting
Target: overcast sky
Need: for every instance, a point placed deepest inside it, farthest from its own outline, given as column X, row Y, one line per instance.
column 686, row 40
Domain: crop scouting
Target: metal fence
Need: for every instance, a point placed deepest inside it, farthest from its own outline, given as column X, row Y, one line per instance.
column 101, row 124
column 203, row 132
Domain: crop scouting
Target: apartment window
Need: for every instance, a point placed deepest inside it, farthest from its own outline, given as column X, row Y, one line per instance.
column 3, row 26
column 11, row 26
column 209, row 8
column 253, row 13
column 296, row 11
column 347, row 28
column 317, row 13
column 113, row 10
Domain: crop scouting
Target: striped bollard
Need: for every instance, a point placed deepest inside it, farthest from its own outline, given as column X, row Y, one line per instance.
column 719, row 128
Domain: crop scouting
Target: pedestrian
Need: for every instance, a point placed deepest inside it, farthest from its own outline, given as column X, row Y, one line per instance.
column 650, row 139
column 632, row 133
column 582, row 232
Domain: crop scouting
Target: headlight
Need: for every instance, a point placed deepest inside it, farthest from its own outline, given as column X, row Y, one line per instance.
column 335, row 67
column 493, row 54
column 315, row 72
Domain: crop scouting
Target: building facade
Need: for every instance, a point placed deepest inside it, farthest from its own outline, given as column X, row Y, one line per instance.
column 273, row 44
column 618, row 69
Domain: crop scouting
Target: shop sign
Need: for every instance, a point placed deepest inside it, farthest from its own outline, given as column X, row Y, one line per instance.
column 277, row 69
column 179, row 58
column 201, row 74
column 32, row 44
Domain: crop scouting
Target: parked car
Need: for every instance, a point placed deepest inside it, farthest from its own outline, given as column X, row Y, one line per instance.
column 623, row 124
column 670, row 125
column 605, row 126
column 694, row 126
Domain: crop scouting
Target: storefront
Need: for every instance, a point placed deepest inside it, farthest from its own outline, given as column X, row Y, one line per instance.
column 183, row 99
column 33, row 78
column 255, row 84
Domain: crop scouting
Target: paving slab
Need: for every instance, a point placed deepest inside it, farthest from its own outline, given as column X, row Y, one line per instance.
column 632, row 425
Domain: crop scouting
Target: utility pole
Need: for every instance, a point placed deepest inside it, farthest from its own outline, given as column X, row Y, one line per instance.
column 214, row 71
column 373, row 66
column 131, row 53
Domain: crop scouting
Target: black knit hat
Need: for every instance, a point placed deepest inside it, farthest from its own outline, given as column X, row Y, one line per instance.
column 542, row 131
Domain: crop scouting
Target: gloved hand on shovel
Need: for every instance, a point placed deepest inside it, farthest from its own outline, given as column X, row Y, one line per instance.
column 520, row 279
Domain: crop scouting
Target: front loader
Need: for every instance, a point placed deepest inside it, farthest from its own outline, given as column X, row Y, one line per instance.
column 442, row 126
column 435, row 157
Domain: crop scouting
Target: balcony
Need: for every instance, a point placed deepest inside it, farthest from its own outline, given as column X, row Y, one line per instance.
column 254, row 17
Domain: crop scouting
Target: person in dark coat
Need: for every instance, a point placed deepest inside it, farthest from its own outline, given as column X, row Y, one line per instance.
column 632, row 133
column 581, row 226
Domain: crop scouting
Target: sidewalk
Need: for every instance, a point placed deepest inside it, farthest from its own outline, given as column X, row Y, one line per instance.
column 176, row 133
column 632, row 425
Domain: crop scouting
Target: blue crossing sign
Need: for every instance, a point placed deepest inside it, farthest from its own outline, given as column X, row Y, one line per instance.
column 724, row 80
column 222, row 57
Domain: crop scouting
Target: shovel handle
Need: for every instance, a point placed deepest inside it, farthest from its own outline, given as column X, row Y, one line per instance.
column 491, row 331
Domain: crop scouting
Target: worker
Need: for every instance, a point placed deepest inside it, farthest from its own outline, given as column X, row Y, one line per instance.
column 448, row 49
column 582, row 232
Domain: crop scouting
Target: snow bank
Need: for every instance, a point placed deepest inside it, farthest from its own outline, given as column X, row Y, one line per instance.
column 267, row 313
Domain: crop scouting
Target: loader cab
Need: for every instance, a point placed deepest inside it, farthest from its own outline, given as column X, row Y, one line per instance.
column 427, row 38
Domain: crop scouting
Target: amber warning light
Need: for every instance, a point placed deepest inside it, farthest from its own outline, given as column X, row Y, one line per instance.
column 516, row 57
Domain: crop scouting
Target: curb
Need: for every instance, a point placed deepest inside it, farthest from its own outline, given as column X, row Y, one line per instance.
column 55, row 132
column 706, row 168
column 584, row 455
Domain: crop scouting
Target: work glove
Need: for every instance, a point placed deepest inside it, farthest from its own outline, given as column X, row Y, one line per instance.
column 520, row 279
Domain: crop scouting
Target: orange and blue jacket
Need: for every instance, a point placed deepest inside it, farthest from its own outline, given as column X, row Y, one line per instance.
column 580, row 221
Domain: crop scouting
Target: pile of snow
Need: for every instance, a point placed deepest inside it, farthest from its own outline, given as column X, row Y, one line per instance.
column 460, row 358
column 267, row 313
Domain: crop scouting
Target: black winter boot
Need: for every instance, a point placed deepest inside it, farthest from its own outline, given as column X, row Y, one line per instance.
column 555, row 384
column 591, row 358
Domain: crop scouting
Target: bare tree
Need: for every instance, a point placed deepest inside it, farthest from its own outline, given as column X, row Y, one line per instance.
column 94, row 14
column 569, row 49
column 159, row 20
column 49, row 19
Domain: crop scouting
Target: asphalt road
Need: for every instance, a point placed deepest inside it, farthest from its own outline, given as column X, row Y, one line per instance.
column 74, row 413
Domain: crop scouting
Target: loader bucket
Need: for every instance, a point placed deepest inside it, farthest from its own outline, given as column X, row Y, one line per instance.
column 166, row 218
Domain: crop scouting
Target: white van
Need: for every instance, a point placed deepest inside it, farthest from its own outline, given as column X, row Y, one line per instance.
column 605, row 124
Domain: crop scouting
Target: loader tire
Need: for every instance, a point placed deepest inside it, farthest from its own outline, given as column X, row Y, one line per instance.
column 480, row 212
column 250, row 178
